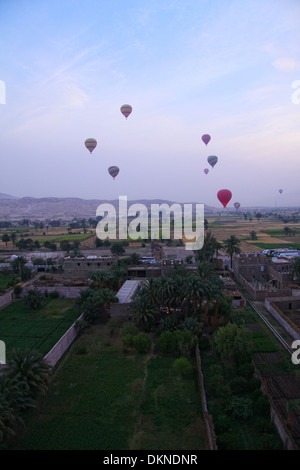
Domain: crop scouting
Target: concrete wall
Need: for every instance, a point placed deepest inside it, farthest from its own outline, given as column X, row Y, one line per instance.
column 6, row 298
column 62, row 345
column 212, row 440
column 69, row 292
column 282, row 319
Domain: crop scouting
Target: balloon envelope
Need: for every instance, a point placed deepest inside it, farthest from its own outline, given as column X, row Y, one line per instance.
column 126, row 110
column 113, row 171
column 206, row 138
column 236, row 205
column 281, row 191
column 212, row 160
column 224, row 196
column 206, row 170
column 90, row 144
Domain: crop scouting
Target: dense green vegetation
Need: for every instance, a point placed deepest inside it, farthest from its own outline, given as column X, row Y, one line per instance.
column 103, row 397
column 21, row 326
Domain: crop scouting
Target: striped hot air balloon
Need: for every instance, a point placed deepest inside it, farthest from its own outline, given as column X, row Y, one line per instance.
column 236, row 205
column 113, row 171
column 126, row 110
column 212, row 160
column 90, row 144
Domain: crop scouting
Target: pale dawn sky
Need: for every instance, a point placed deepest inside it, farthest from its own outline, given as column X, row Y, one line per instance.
column 221, row 67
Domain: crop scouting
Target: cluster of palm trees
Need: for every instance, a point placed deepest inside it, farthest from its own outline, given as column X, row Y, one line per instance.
column 212, row 246
column 181, row 295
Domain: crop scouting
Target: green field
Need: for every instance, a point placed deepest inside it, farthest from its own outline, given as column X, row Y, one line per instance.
column 24, row 328
column 271, row 246
column 69, row 238
column 103, row 398
column 4, row 281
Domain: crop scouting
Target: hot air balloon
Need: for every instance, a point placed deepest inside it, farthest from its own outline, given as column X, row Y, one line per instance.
column 206, row 138
column 212, row 160
column 90, row 144
column 113, row 171
column 224, row 196
column 126, row 110
column 281, row 191
column 206, row 170
column 236, row 205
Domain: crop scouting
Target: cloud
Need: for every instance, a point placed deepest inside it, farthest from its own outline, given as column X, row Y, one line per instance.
column 286, row 64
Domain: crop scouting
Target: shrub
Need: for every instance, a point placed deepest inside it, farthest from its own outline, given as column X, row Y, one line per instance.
column 167, row 343
column 128, row 341
column 229, row 441
column 238, row 385
column 191, row 325
column 271, row 442
column 54, row 294
column 128, row 328
column 222, row 424
column 262, row 406
column 240, row 407
column 253, row 384
column 168, row 323
column 81, row 325
column 246, row 370
column 183, row 367
column 17, row 290
column 142, row 343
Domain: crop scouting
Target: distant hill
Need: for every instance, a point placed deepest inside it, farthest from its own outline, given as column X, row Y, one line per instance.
column 64, row 208
column 7, row 196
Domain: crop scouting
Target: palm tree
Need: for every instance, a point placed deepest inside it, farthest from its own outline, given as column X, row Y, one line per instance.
column 194, row 289
column 143, row 311
column 107, row 296
column 5, row 239
column 134, row 259
column 231, row 246
column 13, row 238
column 100, row 278
column 295, row 268
column 29, row 367
column 210, row 247
column 34, row 298
column 118, row 274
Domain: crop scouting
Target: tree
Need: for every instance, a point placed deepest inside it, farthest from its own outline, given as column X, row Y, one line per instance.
column 253, row 235
column 5, row 238
column 258, row 215
column 194, row 289
column 30, row 368
column 91, row 304
column 210, row 247
column 118, row 274
column 134, row 259
column 107, row 296
column 287, row 231
column 143, row 311
column 295, row 268
column 13, row 237
column 117, row 248
column 231, row 340
column 100, row 278
column 231, row 247
column 34, row 298
column 65, row 245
